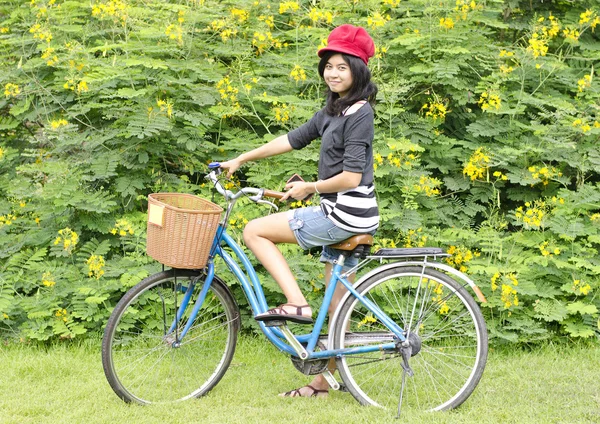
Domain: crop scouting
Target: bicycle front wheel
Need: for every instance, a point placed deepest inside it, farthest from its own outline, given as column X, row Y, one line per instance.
column 444, row 326
column 144, row 357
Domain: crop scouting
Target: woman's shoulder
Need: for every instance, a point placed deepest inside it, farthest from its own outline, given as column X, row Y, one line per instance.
column 360, row 108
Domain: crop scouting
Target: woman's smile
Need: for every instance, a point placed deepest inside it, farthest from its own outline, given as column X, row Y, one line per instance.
column 337, row 75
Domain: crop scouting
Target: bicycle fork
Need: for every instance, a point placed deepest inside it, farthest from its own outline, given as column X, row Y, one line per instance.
column 173, row 329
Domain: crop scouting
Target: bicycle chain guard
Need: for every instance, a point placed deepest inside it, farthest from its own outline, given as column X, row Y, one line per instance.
column 312, row 366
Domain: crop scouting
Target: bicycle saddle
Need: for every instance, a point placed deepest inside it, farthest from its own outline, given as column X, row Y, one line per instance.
column 353, row 242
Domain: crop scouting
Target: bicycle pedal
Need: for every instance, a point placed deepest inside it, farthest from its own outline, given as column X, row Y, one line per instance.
column 275, row 323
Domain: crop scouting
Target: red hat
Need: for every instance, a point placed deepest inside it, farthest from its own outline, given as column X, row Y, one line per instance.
column 350, row 40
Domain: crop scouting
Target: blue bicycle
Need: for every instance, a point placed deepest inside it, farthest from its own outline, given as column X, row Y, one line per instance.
column 407, row 332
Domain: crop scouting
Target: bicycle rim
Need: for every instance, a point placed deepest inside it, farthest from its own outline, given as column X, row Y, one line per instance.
column 443, row 319
column 144, row 358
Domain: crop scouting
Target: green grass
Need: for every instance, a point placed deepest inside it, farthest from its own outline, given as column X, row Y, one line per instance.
column 66, row 384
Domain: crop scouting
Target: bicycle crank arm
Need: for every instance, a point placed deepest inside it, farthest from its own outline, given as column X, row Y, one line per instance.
column 294, row 343
column 331, row 380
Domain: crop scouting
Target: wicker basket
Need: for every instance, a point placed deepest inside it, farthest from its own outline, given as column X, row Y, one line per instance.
column 181, row 229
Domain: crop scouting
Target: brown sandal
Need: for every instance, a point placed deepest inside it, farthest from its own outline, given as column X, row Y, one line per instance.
column 280, row 314
column 296, row 392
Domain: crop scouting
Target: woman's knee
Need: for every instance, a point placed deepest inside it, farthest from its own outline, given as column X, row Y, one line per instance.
column 251, row 231
column 274, row 228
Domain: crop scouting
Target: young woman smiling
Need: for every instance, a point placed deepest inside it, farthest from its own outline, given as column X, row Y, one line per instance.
column 345, row 185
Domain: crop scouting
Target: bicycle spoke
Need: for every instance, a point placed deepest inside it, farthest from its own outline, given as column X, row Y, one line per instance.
column 447, row 339
column 143, row 364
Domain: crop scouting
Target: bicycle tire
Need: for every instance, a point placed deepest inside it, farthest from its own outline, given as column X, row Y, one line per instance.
column 446, row 321
column 144, row 364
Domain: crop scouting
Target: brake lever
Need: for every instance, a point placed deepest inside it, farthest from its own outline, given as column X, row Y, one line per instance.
column 266, row 202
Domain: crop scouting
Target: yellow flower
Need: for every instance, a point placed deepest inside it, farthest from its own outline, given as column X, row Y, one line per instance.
column 95, row 265
column 509, row 296
column 165, row 106
column 286, row 6
column 69, row 239
column 538, row 46
column 461, row 255
column 377, row 20
column 11, row 90
column 571, row 34
column 116, row 10
column 434, row 110
column 584, row 83
column 55, row 124
column 428, row 185
column 282, row 112
column 477, row 165
column 122, row 227
column 585, row 16
column 48, row 280
column 447, row 23
column 298, row 73
column 269, row 20
column 489, row 100
column 82, row 87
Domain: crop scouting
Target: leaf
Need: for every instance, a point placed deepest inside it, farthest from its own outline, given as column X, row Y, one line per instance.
column 146, row 62
column 8, row 123
column 21, row 107
column 128, row 186
column 129, row 280
column 96, row 300
column 582, row 308
column 550, row 310
column 579, row 330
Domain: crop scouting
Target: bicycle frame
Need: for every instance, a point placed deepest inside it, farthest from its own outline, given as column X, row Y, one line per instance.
column 256, row 298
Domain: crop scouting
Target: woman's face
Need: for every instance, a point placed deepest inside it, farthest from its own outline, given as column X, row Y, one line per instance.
column 337, row 75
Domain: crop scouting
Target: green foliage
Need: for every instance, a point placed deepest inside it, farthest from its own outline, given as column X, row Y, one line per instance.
column 487, row 130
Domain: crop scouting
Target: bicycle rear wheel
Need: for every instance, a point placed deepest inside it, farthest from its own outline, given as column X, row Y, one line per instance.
column 447, row 335
column 144, row 359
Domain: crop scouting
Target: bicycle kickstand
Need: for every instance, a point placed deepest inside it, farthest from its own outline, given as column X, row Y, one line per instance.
column 405, row 351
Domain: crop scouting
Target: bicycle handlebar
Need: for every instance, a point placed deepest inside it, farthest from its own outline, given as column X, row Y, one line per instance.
column 257, row 193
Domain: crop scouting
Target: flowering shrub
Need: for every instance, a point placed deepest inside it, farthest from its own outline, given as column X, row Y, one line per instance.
column 486, row 143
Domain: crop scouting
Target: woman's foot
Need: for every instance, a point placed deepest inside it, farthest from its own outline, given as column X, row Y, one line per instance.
column 306, row 391
column 301, row 314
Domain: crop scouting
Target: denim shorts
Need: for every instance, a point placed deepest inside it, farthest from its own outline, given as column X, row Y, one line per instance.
column 313, row 229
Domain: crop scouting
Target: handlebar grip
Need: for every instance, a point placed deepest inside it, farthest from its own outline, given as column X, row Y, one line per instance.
column 273, row 194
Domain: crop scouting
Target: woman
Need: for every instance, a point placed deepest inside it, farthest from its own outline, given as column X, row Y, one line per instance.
column 348, row 204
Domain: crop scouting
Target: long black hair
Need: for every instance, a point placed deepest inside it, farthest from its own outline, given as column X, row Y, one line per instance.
column 362, row 86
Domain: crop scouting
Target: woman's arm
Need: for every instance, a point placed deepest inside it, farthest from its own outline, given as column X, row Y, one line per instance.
column 344, row 181
column 274, row 147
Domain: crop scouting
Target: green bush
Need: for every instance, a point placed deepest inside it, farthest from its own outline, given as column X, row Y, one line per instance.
column 487, row 129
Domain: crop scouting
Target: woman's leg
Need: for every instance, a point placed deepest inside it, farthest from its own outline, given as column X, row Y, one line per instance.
column 319, row 382
column 261, row 236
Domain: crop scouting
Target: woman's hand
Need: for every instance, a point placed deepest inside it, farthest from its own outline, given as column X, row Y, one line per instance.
column 232, row 166
column 298, row 190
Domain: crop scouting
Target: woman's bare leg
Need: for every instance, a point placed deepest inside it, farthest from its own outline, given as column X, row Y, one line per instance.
column 261, row 236
column 319, row 382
